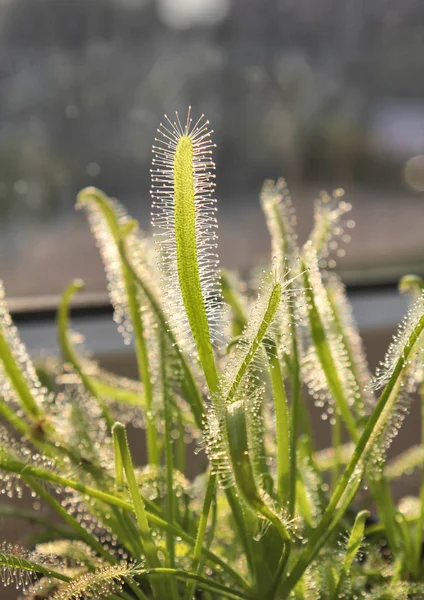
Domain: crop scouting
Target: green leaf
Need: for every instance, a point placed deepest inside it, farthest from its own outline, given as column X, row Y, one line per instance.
column 334, row 373
column 100, row 583
column 107, row 221
column 375, row 424
column 329, row 226
column 146, row 282
column 17, row 367
column 20, row 567
column 183, row 214
column 352, row 548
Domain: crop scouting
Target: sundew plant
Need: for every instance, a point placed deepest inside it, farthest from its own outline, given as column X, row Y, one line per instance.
column 227, row 369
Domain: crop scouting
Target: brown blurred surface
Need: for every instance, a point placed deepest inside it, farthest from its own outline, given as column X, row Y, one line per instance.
column 386, row 240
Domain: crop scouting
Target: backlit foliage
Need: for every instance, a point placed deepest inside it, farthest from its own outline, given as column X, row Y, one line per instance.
column 228, row 369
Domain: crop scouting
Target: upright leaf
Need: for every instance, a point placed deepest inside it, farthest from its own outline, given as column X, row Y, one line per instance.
column 184, row 218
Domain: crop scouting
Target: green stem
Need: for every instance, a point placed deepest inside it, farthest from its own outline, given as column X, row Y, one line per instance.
column 238, row 446
column 281, row 240
column 240, row 522
column 265, row 322
column 161, row 590
column 82, row 533
column 143, row 365
column 202, row 582
column 20, row 468
column 181, row 447
column 285, row 555
column 380, row 489
column 382, row 496
column 50, row 445
column 420, row 524
column 169, row 455
column 326, row 359
column 63, row 327
column 359, row 454
column 192, row 391
column 119, row 465
column 284, row 249
column 135, row 315
column 138, row 504
column 295, row 406
column 353, row 545
column 121, row 596
column 129, row 532
column 336, row 441
column 341, row 331
column 407, row 556
column 123, row 529
column 236, row 432
column 305, row 422
column 321, row 535
column 45, row 439
column 196, row 566
column 17, row 379
column 135, row 589
column 15, row 421
column 282, row 423
column 68, row 351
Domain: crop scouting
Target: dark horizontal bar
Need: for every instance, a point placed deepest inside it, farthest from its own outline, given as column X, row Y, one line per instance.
column 44, row 308
column 88, row 306
column 43, row 315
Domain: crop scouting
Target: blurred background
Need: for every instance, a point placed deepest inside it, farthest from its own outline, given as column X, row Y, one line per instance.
column 327, row 93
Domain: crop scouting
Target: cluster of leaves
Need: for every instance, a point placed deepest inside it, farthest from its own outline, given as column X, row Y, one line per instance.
column 229, row 367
